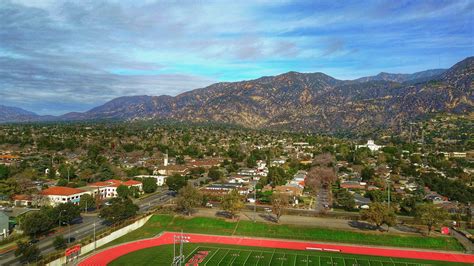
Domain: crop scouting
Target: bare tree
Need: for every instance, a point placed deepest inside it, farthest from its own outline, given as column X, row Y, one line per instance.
column 320, row 176
column 319, row 180
column 279, row 202
column 323, row 159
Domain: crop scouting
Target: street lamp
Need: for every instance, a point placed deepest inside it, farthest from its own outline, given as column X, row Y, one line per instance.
column 255, row 202
column 68, row 166
column 388, row 191
column 68, row 226
column 59, row 217
column 95, row 243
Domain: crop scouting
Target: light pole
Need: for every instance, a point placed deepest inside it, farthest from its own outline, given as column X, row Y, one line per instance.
column 59, row 217
column 179, row 259
column 255, row 202
column 388, row 192
column 95, row 243
column 67, row 171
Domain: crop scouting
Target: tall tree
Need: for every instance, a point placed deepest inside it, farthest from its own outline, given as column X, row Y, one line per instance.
column 119, row 210
column 232, row 203
column 59, row 243
column 175, row 182
column 279, row 202
column 345, row 199
column 27, row 253
column 215, row 174
column 123, row 191
column 320, row 176
column 277, row 176
column 323, row 159
column 87, row 202
column 189, row 198
column 67, row 212
column 34, row 223
column 379, row 214
column 430, row 215
column 149, row 185
column 4, row 171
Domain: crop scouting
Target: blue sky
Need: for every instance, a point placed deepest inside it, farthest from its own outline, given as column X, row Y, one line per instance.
column 62, row 56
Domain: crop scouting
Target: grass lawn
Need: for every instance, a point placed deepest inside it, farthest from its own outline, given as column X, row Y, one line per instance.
column 216, row 226
column 242, row 255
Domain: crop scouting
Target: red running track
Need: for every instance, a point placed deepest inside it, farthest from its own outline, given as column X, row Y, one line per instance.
column 108, row 255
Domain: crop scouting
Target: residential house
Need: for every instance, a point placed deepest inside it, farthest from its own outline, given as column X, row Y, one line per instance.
column 291, row 190
column 361, row 202
column 225, row 188
column 353, row 185
column 8, row 159
column 22, row 200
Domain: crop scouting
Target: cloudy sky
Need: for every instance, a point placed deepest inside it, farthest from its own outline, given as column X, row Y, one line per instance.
column 62, row 56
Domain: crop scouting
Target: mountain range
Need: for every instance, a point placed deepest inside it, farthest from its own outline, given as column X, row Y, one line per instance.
column 312, row 102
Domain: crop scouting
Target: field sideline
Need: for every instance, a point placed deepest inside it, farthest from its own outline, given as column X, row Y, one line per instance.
column 108, row 255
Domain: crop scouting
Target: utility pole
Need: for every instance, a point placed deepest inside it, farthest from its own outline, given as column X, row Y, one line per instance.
column 95, row 243
column 422, row 136
column 410, row 132
column 255, row 203
column 388, row 183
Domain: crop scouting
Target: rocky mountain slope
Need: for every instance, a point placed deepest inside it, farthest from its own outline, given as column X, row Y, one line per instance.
column 306, row 101
column 401, row 78
column 8, row 114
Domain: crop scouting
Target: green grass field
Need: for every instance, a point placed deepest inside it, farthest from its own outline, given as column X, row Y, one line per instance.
column 250, row 256
column 215, row 226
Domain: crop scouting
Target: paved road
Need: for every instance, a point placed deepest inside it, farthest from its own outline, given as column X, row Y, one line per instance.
column 322, row 199
column 84, row 229
column 468, row 245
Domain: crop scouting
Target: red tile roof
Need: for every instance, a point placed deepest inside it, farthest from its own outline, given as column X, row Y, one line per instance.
column 131, row 183
column 9, row 157
column 62, row 191
column 22, row 197
column 101, row 184
column 114, row 183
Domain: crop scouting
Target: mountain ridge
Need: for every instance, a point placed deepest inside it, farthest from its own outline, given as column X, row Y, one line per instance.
column 305, row 101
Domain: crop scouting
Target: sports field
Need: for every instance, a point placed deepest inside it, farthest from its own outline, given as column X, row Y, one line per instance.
column 204, row 249
column 208, row 254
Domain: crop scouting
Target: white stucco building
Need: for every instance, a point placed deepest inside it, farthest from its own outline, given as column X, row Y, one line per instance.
column 370, row 145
